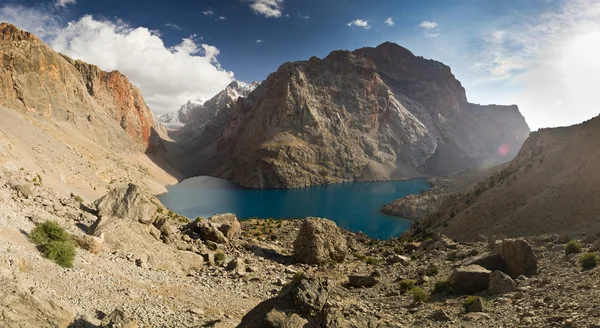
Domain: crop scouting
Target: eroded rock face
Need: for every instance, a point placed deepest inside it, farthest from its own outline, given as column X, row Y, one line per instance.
column 228, row 224
column 371, row 114
column 34, row 78
column 519, row 258
column 319, row 241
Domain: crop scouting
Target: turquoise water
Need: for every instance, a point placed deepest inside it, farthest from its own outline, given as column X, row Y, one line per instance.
column 352, row 205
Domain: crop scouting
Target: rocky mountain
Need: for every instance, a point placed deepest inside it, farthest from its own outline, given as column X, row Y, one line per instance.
column 371, row 114
column 551, row 186
column 104, row 106
column 176, row 120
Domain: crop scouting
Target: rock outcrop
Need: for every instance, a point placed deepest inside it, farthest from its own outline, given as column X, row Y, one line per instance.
column 319, row 241
column 470, row 279
column 552, row 186
column 105, row 106
column 371, row 114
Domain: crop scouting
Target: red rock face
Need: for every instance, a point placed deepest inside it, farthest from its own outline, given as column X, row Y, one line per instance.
column 36, row 79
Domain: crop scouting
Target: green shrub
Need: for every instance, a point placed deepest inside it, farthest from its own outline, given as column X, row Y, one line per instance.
column 432, row 271
column 470, row 300
column 572, row 247
column 47, row 232
column 588, row 261
column 399, row 250
column 372, row 261
column 78, row 199
column 56, row 243
column 61, row 252
column 407, row 284
column 219, row 258
column 418, row 295
column 442, row 287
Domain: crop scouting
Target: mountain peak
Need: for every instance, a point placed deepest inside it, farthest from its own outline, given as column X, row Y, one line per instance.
column 9, row 32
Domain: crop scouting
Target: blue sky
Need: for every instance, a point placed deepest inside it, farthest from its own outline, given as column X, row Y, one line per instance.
column 534, row 53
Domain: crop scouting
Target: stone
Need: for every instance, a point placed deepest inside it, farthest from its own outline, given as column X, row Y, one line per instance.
column 563, row 238
column 118, row 319
column 279, row 319
column 237, row 266
column 128, row 203
column 588, row 240
column 362, row 281
column 24, row 190
column 319, row 241
column 228, row 224
column 91, row 244
column 501, row 283
column 210, row 232
column 395, row 258
column 469, row 279
column 595, row 246
column 440, row 315
column 518, row 257
column 169, row 229
column 154, row 232
column 490, row 261
column 477, row 306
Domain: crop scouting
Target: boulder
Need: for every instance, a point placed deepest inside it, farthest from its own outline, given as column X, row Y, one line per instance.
column 588, row 240
column 319, row 241
column 501, row 283
column 237, row 266
column 279, row 319
column 595, row 246
column 470, row 279
column 23, row 189
column 440, row 315
column 210, row 232
column 128, row 203
column 362, row 281
column 228, row 224
column 490, row 261
column 169, row 230
column 518, row 258
column 91, row 244
column 395, row 258
column 476, row 306
column 117, row 318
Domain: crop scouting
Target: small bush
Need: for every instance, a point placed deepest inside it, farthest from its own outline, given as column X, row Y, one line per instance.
column 219, row 258
column 407, row 284
column 588, row 261
column 56, row 244
column 442, row 287
column 470, row 300
column 78, row 199
column 47, row 232
column 61, row 252
column 418, row 295
column 432, row 271
column 572, row 247
column 399, row 250
column 372, row 261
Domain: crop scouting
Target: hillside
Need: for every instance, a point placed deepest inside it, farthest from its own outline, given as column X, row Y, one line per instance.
column 551, row 186
column 372, row 114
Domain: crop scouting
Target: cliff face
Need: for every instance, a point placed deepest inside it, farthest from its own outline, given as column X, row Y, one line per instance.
column 552, row 186
column 36, row 79
column 372, row 114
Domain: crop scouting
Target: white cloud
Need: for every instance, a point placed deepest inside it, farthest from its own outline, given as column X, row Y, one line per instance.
column 64, row 3
column 267, row 8
column 360, row 23
column 303, row 16
column 389, row 22
column 427, row 25
column 167, row 76
column 222, row 18
column 259, row 41
column 431, row 29
column 208, row 12
column 174, row 26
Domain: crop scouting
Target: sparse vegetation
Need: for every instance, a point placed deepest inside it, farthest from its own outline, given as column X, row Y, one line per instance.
column 407, row 284
column 372, row 260
column 78, row 198
column 432, row 271
column 470, row 300
column 55, row 243
column 588, row 261
column 442, row 287
column 219, row 258
column 418, row 295
column 399, row 250
column 572, row 247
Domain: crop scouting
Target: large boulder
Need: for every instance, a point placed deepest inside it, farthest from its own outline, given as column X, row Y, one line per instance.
column 490, row 261
column 501, row 283
column 470, row 279
column 130, row 203
column 320, row 241
column 228, row 224
column 518, row 258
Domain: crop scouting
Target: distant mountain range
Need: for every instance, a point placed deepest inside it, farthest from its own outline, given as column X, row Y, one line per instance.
column 371, row 114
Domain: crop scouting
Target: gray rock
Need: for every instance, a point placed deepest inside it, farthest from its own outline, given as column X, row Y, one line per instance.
column 24, row 190
column 362, row 281
column 490, row 261
column 440, row 315
column 128, row 203
column 395, row 258
column 563, row 238
column 470, row 279
column 518, row 257
column 588, row 240
column 210, row 232
column 228, row 224
column 319, row 241
column 501, row 283
column 477, row 306
column 237, row 266
column 279, row 319
column 595, row 246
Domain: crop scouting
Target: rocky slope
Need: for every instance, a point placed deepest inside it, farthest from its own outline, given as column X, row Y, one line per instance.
column 551, row 186
column 139, row 265
column 104, row 106
column 372, row 114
